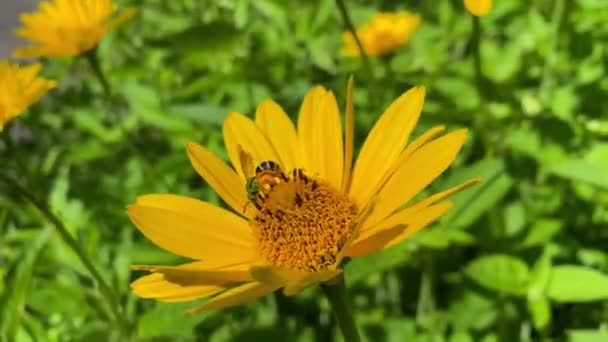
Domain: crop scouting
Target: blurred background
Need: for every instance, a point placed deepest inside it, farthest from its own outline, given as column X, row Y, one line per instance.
column 9, row 19
column 521, row 257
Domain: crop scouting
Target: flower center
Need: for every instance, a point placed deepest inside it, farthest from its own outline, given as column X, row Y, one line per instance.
column 302, row 223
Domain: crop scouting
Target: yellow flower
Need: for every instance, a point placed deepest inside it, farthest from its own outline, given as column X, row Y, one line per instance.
column 478, row 7
column 305, row 221
column 19, row 88
column 384, row 33
column 65, row 28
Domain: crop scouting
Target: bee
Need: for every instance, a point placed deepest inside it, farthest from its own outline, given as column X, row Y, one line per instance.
column 266, row 173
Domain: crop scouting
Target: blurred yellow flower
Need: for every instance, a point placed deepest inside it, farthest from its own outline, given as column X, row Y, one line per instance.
column 384, row 33
column 19, row 88
column 478, row 7
column 303, row 221
column 65, row 28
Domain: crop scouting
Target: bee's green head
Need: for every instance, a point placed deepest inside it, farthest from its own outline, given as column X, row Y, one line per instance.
column 252, row 188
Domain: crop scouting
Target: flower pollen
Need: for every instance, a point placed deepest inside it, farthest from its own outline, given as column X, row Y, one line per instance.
column 303, row 223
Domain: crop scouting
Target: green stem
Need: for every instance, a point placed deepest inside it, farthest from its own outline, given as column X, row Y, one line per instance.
column 426, row 301
column 11, row 147
column 480, row 119
column 476, row 41
column 73, row 244
column 349, row 25
column 93, row 59
column 556, row 22
column 338, row 298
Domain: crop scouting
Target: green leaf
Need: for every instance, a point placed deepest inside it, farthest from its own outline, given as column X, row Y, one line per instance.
column 525, row 141
column 592, row 172
column 572, row 283
column 145, row 104
column 460, row 336
column 564, row 102
column 515, row 218
column 540, row 310
column 461, row 92
column 322, row 55
column 359, row 268
column 442, row 237
column 241, row 13
column 587, row 335
column 542, row 231
column 538, row 305
column 502, row 273
column 472, row 311
column 21, row 272
column 206, row 115
column 168, row 319
column 501, row 62
column 469, row 205
column 539, row 278
column 209, row 38
column 596, row 258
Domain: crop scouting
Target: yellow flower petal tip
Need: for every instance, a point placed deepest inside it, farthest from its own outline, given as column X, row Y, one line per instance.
column 77, row 27
column 301, row 206
column 478, row 7
column 19, row 89
column 386, row 32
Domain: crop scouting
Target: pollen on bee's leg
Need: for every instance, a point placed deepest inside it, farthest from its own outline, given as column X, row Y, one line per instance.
column 303, row 223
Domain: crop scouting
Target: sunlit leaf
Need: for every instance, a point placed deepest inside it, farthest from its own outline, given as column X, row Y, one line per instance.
column 502, row 273
column 572, row 283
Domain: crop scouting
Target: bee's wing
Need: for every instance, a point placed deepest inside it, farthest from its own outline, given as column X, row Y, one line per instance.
column 246, row 160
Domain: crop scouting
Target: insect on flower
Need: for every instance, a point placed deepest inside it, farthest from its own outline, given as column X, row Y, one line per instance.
column 313, row 212
column 266, row 175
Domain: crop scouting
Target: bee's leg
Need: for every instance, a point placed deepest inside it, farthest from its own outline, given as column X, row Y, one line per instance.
column 284, row 177
column 259, row 200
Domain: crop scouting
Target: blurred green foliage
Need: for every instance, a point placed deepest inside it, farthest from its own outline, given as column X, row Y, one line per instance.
column 522, row 256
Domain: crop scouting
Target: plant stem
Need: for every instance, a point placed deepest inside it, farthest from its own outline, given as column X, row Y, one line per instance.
column 556, row 22
column 476, row 40
column 93, row 59
column 480, row 119
column 10, row 147
column 73, row 244
column 337, row 296
column 349, row 26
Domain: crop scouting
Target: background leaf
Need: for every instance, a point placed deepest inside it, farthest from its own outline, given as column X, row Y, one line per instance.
column 503, row 273
column 571, row 283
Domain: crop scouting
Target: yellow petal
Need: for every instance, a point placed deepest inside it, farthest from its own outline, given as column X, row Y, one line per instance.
column 395, row 229
column 293, row 281
column 411, row 148
column 421, row 140
column 311, row 279
column 441, row 195
column 201, row 272
column 415, row 173
column 368, row 227
column 349, row 135
column 241, row 131
column 156, row 286
column 385, row 142
column 373, row 243
column 425, row 217
column 320, row 136
column 193, row 229
column 478, row 7
column 280, row 131
column 236, row 296
column 220, row 177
